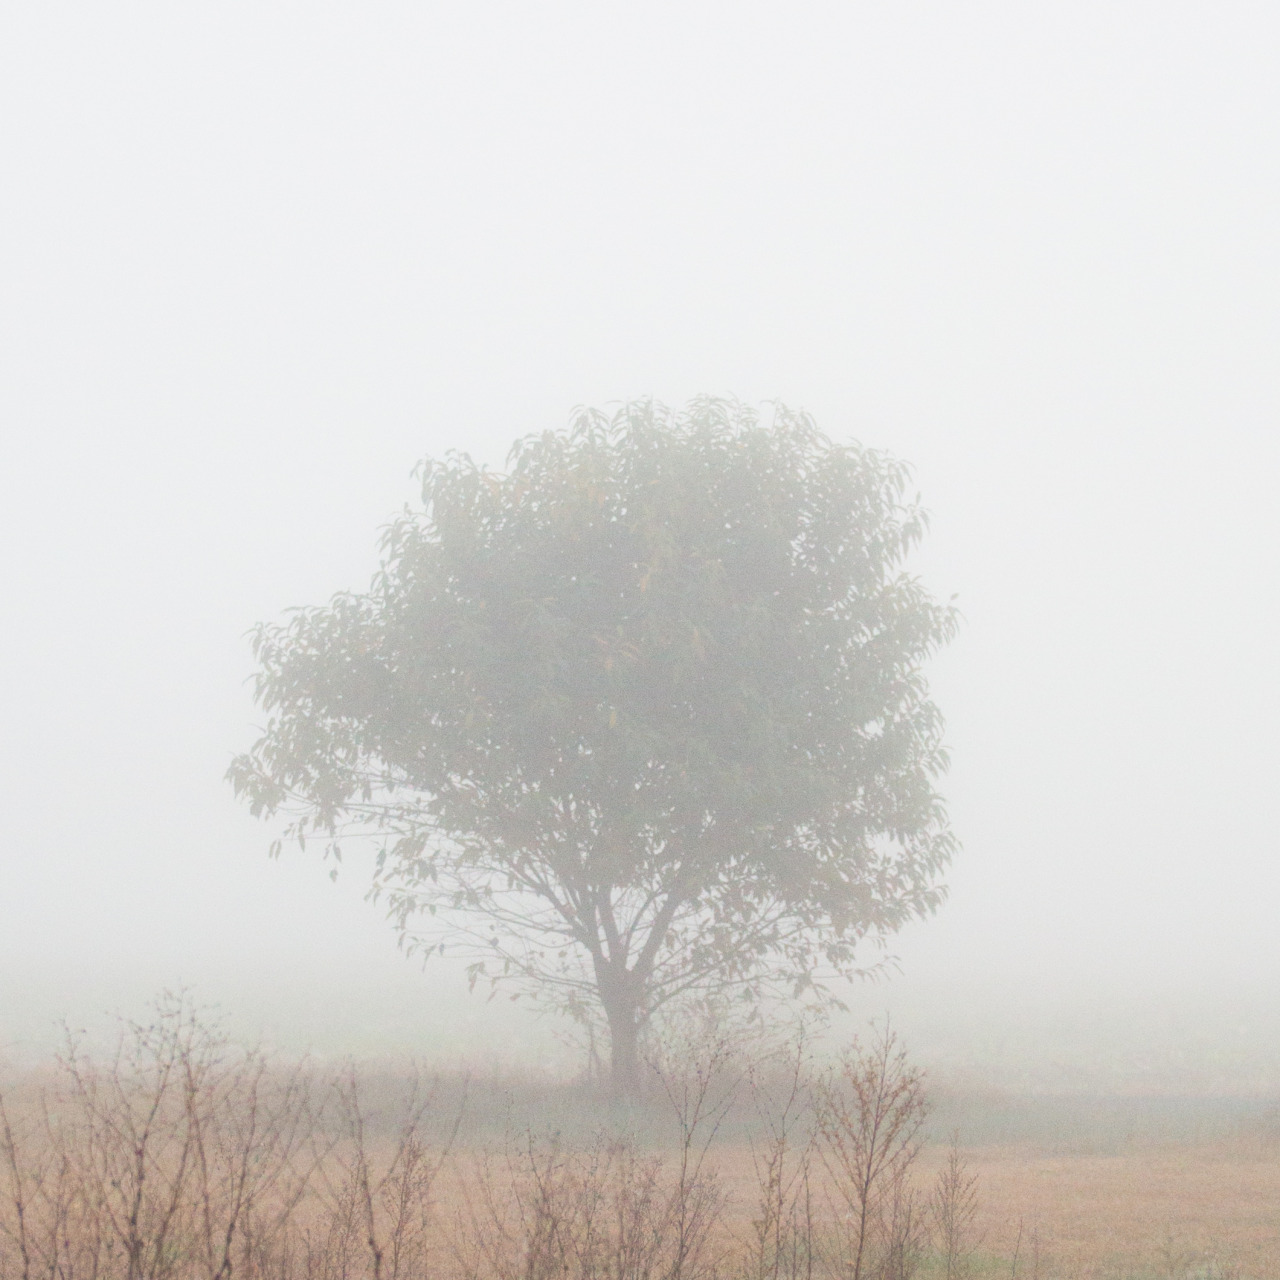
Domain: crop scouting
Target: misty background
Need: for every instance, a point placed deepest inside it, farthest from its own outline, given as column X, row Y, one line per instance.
column 257, row 260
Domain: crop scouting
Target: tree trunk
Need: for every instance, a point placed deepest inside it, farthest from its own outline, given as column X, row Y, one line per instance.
column 624, row 1046
column 624, row 1050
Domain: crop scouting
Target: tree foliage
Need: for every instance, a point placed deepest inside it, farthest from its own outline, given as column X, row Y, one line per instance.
column 641, row 716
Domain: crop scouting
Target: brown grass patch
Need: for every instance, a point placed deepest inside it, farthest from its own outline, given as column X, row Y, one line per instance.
column 183, row 1157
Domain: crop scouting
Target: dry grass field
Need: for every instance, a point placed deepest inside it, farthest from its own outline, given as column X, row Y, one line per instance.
column 1163, row 1213
column 1168, row 1211
column 182, row 1157
column 1158, row 1211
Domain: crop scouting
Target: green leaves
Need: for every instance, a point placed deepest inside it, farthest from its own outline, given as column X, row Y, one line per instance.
column 652, row 699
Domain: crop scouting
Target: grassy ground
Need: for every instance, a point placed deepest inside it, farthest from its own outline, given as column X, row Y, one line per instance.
column 1159, row 1211
column 1172, row 1212
column 1151, row 1186
column 181, row 1156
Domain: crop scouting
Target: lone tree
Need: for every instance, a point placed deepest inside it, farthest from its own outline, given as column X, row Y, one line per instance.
column 641, row 716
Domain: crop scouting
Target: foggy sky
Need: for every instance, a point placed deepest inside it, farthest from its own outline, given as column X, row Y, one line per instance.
column 257, row 260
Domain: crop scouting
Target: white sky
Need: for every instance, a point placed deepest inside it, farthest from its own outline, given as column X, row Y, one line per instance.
column 257, row 259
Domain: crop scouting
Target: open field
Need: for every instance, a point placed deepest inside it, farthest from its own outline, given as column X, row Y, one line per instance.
column 1166, row 1212
column 181, row 1156
column 1160, row 1211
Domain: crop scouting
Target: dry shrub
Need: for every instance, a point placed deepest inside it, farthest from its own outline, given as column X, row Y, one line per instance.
column 184, row 1158
column 538, row 1211
column 781, row 1243
column 179, row 1157
column 953, row 1208
column 870, row 1109
column 376, row 1199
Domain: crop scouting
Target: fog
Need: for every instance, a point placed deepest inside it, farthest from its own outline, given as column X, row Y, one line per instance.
column 256, row 261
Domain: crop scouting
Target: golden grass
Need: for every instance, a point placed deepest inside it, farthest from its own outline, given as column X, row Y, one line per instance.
column 183, row 1157
column 1166, row 1210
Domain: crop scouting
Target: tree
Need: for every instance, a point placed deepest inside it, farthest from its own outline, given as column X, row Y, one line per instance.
column 639, row 717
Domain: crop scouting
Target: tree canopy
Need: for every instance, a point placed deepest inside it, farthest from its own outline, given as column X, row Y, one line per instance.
column 642, row 715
